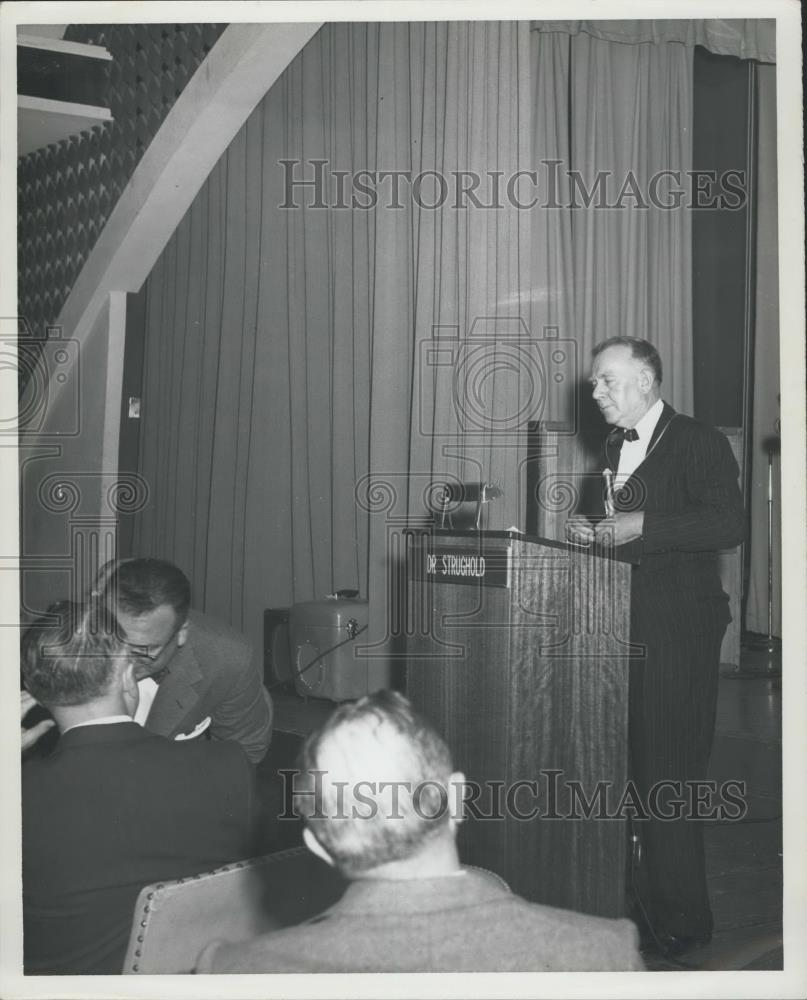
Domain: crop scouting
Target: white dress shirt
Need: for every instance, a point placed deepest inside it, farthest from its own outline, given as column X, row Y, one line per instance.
column 103, row 720
column 633, row 452
column 148, row 688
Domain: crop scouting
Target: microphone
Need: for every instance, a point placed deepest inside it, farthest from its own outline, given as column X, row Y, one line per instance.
column 610, row 508
column 469, row 492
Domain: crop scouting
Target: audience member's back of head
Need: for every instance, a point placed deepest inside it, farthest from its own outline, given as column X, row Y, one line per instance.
column 69, row 656
column 375, row 783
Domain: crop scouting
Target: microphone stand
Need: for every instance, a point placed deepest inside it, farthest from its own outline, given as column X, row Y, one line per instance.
column 771, row 643
column 453, row 494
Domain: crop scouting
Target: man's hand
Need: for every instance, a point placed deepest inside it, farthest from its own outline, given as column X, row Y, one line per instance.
column 621, row 528
column 579, row 530
column 29, row 736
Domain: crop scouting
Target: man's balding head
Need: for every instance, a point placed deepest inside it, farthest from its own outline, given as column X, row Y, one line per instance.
column 382, row 784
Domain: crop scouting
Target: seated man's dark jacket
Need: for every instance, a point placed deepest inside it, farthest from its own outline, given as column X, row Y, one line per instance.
column 112, row 809
column 687, row 488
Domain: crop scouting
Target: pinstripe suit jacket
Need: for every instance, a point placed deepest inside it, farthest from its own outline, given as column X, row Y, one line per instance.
column 687, row 487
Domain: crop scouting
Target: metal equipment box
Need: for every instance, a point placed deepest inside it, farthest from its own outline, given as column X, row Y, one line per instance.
column 323, row 640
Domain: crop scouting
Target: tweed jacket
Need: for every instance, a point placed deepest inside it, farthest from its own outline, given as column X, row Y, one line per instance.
column 465, row 922
column 214, row 676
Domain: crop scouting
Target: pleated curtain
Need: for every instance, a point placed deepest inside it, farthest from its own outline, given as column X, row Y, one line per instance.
column 294, row 412
column 318, row 357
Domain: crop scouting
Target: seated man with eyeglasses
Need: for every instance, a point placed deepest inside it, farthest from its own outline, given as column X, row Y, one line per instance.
column 195, row 674
column 113, row 807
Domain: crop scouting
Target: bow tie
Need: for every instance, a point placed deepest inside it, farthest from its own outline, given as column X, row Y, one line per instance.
column 626, row 433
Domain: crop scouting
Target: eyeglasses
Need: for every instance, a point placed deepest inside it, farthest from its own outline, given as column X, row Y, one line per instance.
column 154, row 653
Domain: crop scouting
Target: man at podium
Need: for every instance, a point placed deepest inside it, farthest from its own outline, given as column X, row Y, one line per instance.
column 669, row 487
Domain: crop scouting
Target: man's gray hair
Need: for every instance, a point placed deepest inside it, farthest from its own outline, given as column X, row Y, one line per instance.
column 69, row 656
column 374, row 782
column 642, row 350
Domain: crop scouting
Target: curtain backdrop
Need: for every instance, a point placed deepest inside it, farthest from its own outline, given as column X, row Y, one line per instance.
column 297, row 401
column 610, row 259
column 311, row 370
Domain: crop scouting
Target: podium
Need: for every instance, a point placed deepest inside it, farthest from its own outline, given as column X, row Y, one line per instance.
column 517, row 651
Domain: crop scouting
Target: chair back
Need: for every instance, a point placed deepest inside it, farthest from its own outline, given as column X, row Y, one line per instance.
column 173, row 921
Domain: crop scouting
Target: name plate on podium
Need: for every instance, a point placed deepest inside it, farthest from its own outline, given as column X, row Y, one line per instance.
column 444, row 562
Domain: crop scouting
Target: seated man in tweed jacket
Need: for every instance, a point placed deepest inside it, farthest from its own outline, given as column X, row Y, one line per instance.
column 376, row 791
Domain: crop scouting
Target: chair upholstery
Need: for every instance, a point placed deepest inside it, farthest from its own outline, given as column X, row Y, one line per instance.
column 173, row 921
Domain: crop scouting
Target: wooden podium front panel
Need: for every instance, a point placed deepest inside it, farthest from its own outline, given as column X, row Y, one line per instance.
column 528, row 683
column 458, row 677
column 569, row 722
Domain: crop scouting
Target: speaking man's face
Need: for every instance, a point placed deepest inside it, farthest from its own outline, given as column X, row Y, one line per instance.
column 621, row 386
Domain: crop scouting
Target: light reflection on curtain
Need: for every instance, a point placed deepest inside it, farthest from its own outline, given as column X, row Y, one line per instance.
column 632, row 114
column 286, row 348
column 610, row 271
column 449, row 383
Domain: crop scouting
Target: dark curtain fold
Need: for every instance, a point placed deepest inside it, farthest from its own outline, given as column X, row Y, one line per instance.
column 766, row 470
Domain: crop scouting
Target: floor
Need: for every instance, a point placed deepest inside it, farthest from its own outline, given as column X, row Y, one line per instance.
column 744, row 857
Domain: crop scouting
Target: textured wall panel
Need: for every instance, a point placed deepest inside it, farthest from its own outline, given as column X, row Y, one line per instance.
column 67, row 190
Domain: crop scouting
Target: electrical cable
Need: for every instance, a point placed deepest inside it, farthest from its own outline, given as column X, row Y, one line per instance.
column 635, row 860
column 320, row 656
